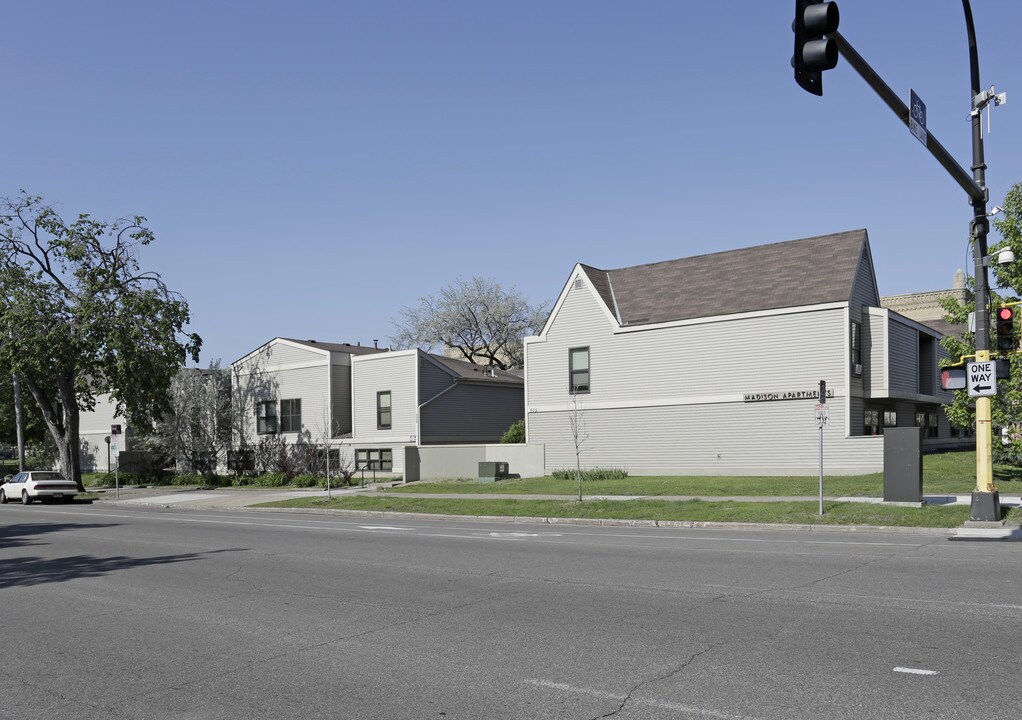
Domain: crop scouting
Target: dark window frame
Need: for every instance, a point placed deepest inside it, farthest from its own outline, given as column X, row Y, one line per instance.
column 855, row 346
column 378, row 459
column 290, row 417
column 384, row 413
column 576, row 388
column 264, row 426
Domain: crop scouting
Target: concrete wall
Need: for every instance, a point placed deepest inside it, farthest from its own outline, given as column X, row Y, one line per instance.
column 439, row 462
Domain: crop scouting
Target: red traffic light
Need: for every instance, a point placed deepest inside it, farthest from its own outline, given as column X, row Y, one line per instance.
column 1005, row 313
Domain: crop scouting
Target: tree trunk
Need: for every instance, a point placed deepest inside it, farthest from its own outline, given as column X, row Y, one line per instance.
column 63, row 425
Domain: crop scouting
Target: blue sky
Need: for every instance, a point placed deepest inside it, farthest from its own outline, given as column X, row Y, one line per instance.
column 311, row 167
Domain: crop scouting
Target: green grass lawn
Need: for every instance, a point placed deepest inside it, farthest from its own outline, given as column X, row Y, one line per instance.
column 835, row 513
column 944, row 473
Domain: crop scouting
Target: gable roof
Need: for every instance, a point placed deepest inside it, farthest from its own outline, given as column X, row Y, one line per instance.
column 810, row 271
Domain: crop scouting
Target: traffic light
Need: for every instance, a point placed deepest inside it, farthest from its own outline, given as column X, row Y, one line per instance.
column 1005, row 323
column 814, row 53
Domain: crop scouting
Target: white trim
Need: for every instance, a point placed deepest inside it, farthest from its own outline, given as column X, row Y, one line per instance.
column 278, row 368
column 383, row 355
column 577, row 272
column 282, row 341
column 720, row 399
column 736, row 316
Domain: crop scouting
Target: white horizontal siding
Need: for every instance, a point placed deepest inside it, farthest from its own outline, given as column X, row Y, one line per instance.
column 675, row 364
column 778, row 438
column 394, row 372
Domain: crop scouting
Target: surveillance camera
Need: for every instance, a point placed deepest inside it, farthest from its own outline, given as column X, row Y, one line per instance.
column 1006, row 257
column 995, row 210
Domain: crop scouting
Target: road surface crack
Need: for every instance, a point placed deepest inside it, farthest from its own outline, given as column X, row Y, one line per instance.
column 659, row 678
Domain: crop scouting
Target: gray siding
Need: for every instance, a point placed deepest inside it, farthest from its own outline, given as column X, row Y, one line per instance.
column 432, row 379
column 472, row 413
column 864, row 291
column 904, row 355
column 340, row 399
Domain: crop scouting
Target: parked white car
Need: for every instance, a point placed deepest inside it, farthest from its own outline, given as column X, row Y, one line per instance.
column 38, row 485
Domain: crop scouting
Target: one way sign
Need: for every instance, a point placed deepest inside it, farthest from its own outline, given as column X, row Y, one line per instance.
column 982, row 379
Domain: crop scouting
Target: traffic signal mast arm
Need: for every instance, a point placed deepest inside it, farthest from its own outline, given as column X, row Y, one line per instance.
column 975, row 192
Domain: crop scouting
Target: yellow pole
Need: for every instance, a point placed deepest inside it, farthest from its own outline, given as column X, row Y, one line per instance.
column 984, row 438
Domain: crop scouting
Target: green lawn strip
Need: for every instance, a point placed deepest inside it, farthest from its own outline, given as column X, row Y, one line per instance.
column 835, row 513
column 950, row 473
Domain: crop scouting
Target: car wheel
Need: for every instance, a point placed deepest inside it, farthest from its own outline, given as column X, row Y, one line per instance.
column 3, row 497
column 68, row 498
column 25, row 499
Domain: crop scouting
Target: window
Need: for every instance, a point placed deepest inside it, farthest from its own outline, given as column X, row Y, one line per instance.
column 928, row 422
column 872, row 421
column 290, row 416
column 381, row 459
column 266, row 417
column 856, row 347
column 383, row 414
column 578, row 370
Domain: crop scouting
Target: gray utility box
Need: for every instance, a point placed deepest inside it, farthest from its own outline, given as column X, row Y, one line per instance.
column 903, row 464
column 492, row 471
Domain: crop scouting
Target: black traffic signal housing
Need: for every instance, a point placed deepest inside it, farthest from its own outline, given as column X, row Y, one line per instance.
column 814, row 53
column 1005, row 323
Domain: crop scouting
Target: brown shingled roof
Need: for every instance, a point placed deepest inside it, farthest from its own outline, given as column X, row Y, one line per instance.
column 810, row 271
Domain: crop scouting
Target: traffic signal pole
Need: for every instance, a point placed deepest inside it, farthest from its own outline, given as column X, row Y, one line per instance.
column 985, row 499
column 986, row 502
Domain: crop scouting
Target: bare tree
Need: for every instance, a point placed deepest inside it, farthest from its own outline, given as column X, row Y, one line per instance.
column 480, row 319
column 196, row 431
column 579, row 434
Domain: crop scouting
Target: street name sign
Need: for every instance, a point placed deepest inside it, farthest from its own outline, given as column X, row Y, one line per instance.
column 982, row 378
column 917, row 118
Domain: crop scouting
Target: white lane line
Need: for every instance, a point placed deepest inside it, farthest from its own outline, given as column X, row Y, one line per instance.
column 915, row 671
column 673, row 707
column 383, row 527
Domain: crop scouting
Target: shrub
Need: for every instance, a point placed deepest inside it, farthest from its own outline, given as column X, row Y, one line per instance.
column 271, row 480
column 304, row 481
column 110, row 480
column 515, row 433
column 592, row 474
column 241, row 481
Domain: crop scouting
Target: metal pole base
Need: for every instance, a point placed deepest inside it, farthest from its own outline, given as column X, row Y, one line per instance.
column 986, row 506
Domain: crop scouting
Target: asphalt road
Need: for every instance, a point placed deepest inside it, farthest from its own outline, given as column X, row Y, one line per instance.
column 123, row 612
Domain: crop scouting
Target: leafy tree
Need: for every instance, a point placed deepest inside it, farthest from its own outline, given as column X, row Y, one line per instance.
column 478, row 318
column 82, row 319
column 515, row 433
column 1007, row 404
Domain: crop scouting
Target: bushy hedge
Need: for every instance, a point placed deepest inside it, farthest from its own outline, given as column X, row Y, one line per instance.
column 592, row 474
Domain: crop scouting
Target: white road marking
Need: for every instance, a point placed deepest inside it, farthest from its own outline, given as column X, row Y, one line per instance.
column 382, row 527
column 915, row 671
column 673, row 707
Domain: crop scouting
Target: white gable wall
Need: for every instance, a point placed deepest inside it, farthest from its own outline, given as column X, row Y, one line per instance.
column 282, row 371
column 673, row 399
